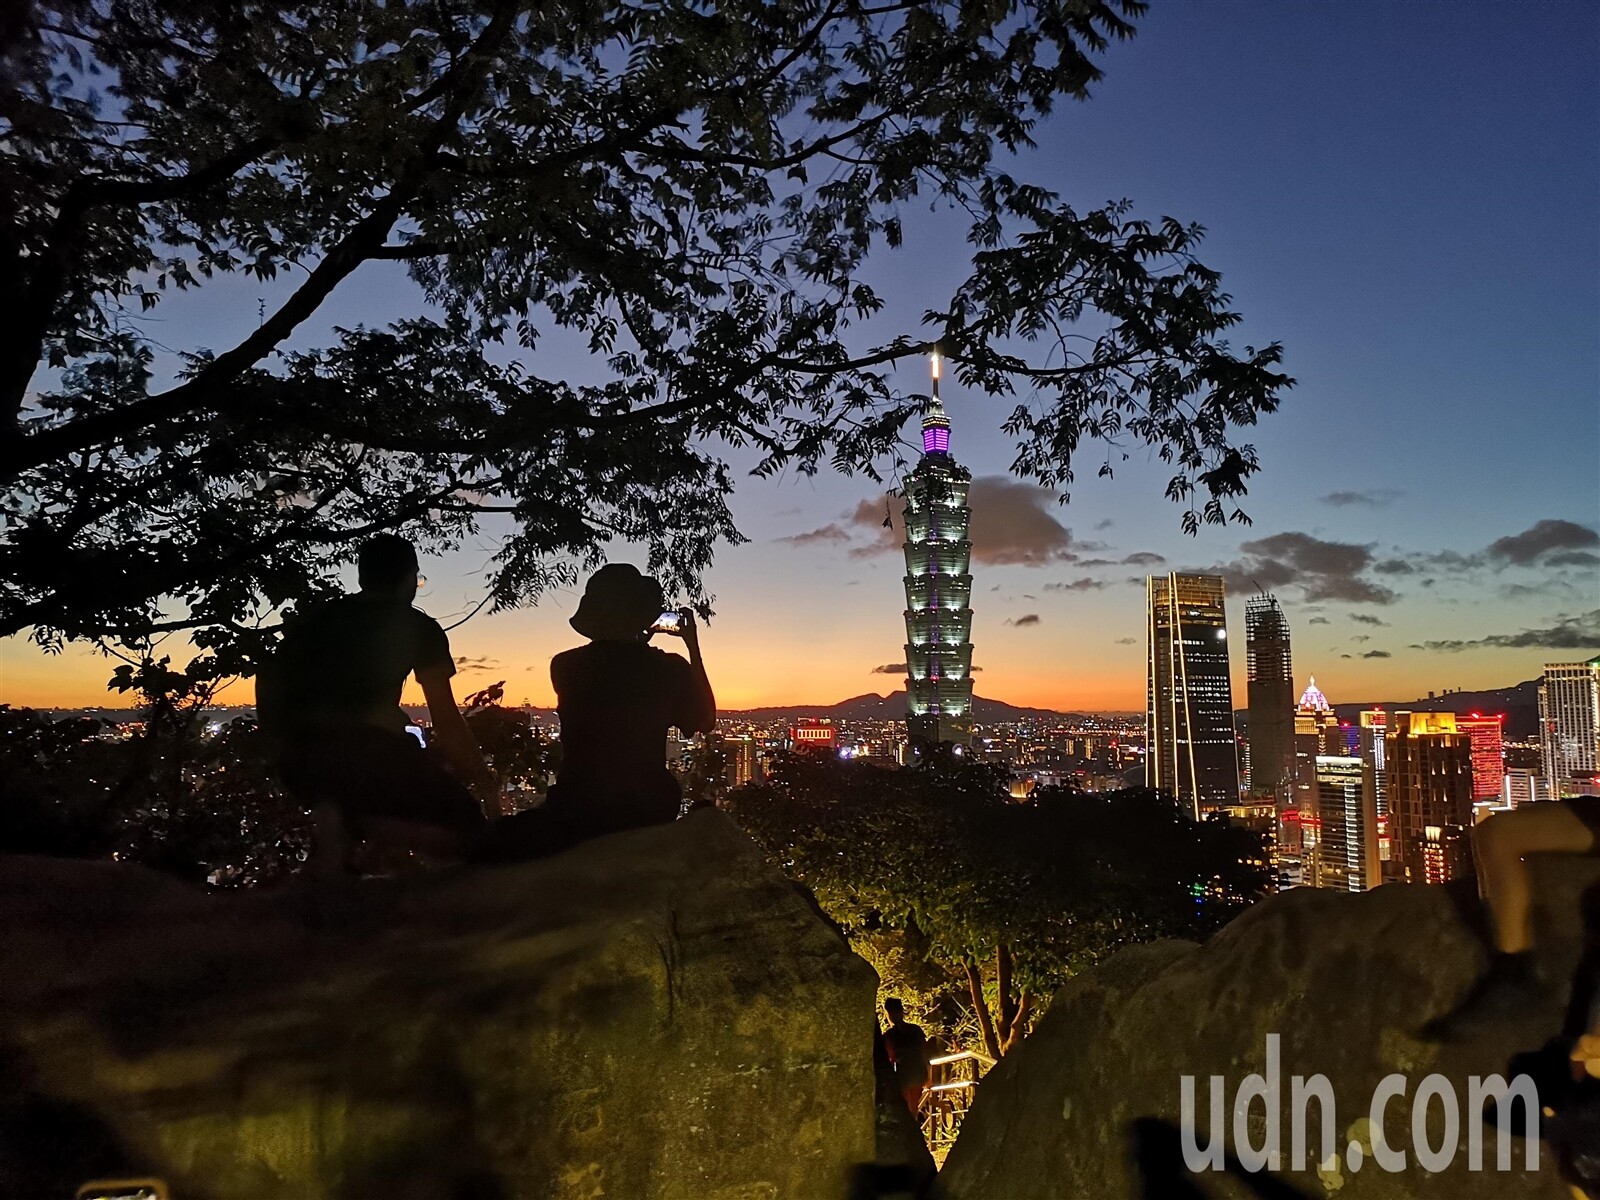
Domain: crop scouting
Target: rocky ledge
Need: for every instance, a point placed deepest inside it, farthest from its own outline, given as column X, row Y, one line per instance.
column 655, row 1015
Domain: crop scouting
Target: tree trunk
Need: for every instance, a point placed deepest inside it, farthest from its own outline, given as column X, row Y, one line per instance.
column 1002, row 986
column 1019, row 1023
column 991, row 1043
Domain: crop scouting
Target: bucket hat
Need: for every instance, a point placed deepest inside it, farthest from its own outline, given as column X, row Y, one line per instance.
column 618, row 603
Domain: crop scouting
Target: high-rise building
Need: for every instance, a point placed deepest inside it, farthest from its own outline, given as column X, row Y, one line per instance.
column 1488, row 753
column 1316, row 731
column 1523, row 786
column 1270, row 690
column 1375, row 781
column 1569, row 725
column 1190, row 752
column 938, row 588
column 1430, row 796
column 1347, row 855
column 744, row 763
column 809, row 735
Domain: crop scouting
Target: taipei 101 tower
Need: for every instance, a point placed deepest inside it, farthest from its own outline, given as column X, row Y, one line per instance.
column 938, row 588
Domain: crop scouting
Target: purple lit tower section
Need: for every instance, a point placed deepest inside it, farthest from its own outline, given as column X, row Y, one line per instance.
column 938, row 588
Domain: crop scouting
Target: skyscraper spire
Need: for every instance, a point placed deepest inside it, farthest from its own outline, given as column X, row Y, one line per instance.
column 936, row 424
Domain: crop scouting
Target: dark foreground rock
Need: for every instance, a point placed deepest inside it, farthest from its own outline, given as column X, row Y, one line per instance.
column 657, row 1015
column 1088, row 1108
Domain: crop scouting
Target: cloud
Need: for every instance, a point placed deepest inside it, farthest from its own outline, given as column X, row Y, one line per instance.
column 1014, row 524
column 1366, row 619
column 889, row 669
column 1143, row 558
column 1525, row 548
column 465, row 665
column 974, row 668
column 1317, row 621
column 1550, row 586
column 1360, row 638
column 1077, row 585
column 870, row 516
column 1372, row 498
column 1394, row 566
column 1377, row 654
column 1323, row 570
column 1029, row 619
column 828, row 533
column 1573, row 558
column 1104, row 523
column 1127, row 641
column 1581, row 632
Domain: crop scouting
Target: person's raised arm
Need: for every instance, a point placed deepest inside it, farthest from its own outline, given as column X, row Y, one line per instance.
column 701, row 706
column 454, row 739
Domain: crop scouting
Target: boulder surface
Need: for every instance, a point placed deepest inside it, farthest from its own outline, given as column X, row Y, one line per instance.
column 1089, row 1107
column 653, row 1015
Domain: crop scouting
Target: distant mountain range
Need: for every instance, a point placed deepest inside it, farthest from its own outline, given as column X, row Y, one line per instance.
column 872, row 707
column 1519, row 703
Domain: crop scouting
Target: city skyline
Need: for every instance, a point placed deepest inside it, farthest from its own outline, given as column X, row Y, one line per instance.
column 1394, row 231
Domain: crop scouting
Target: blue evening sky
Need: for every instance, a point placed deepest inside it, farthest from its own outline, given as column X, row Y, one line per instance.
column 1407, row 196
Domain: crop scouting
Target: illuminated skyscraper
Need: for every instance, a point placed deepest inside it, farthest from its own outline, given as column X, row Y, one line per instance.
column 1191, row 752
column 1488, row 753
column 1569, row 724
column 1271, row 696
column 1375, row 780
column 1430, row 796
column 938, row 588
column 1347, row 857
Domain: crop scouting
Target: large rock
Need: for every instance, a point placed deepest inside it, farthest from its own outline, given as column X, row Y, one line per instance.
column 1089, row 1106
column 655, row 1015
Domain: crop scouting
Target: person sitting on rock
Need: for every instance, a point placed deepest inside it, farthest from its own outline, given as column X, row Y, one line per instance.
column 616, row 698
column 1501, row 845
column 329, row 701
column 907, row 1045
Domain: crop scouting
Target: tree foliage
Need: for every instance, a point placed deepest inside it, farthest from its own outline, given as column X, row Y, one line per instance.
column 167, row 794
column 1010, row 898
column 689, row 190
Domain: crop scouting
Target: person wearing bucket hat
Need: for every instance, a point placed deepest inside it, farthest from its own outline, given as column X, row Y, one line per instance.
column 616, row 698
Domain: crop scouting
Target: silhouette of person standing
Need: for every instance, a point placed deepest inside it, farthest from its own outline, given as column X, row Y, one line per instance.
column 908, row 1051
column 616, row 698
column 330, row 701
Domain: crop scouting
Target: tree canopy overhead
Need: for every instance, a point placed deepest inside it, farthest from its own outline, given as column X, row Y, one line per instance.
column 691, row 187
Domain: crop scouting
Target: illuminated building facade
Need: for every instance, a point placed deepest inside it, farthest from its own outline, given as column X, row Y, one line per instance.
column 938, row 588
column 1316, row 731
column 808, row 735
column 1569, row 725
column 1523, row 786
column 1488, row 753
column 1270, row 691
column 1347, row 856
column 743, row 763
column 1375, row 781
column 1191, row 752
column 1429, row 769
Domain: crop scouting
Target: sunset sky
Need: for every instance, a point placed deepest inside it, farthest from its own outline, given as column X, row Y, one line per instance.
column 1407, row 196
